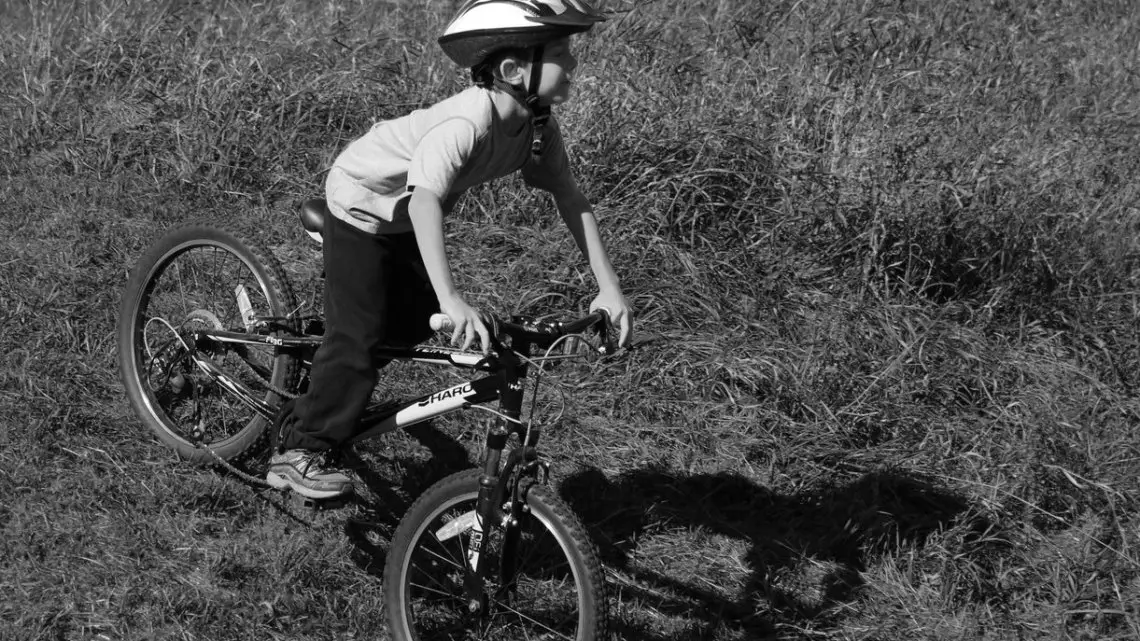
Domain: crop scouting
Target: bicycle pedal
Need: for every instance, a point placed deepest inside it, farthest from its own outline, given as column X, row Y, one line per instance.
column 301, row 502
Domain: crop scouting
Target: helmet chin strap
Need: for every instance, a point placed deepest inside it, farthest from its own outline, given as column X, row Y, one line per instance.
column 528, row 94
column 539, row 113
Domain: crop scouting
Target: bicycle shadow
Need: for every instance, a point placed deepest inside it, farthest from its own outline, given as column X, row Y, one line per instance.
column 805, row 555
column 387, row 490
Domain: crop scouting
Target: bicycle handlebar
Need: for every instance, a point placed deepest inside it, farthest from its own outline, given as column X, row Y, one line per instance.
column 543, row 333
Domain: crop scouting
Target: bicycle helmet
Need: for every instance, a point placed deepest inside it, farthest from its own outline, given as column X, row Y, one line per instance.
column 482, row 28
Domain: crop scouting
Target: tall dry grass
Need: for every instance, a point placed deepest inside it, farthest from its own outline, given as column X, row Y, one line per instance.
column 885, row 260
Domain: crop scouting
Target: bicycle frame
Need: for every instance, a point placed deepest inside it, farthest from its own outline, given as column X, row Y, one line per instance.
column 379, row 421
column 504, row 385
column 502, row 492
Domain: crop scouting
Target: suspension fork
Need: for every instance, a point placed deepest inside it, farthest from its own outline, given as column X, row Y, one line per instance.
column 497, row 485
column 523, row 465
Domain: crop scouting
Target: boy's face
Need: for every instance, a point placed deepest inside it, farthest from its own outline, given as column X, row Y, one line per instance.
column 558, row 64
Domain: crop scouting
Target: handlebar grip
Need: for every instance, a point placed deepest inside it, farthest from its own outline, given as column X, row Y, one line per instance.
column 609, row 343
column 441, row 322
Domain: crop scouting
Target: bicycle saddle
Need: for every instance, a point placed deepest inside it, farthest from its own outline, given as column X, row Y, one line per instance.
column 313, row 213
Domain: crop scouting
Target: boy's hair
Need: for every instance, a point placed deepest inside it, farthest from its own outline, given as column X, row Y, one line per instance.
column 483, row 74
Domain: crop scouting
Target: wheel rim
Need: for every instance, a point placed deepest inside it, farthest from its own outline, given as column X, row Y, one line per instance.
column 544, row 603
column 195, row 286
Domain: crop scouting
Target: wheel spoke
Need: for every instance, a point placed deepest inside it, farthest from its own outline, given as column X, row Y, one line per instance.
column 536, row 622
column 430, row 590
column 550, row 593
column 450, row 561
column 186, row 284
column 435, row 579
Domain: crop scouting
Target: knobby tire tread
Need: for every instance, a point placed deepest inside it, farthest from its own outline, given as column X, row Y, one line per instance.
column 587, row 551
column 581, row 546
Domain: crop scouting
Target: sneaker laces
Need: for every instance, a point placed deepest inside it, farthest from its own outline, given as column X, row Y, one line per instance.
column 318, row 460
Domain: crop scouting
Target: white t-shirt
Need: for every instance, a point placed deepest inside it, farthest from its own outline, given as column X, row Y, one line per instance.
column 448, row 148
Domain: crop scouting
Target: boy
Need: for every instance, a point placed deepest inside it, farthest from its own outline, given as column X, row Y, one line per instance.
column 388, row 192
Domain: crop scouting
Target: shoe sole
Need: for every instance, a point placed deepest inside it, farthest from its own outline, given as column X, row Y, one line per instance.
column 280, row 482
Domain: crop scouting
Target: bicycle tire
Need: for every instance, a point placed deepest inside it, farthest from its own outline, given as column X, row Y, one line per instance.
column 418, row 613
column 194, row 276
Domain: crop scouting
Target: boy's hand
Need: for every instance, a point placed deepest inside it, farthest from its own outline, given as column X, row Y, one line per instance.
column 468, row 323
column 621, row 314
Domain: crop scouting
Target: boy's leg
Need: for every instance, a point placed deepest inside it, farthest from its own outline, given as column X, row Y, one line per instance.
column 357, row 269
column 408, row 320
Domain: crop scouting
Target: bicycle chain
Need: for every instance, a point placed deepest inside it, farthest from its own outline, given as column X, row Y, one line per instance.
column 303, row 513
column 250, row 479
column 230, row 467
column 268, row 385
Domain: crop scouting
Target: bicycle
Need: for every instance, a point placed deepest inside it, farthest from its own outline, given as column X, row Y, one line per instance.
column 211, row 340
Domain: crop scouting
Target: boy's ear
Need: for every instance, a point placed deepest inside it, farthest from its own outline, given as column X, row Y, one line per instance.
column 511, row 71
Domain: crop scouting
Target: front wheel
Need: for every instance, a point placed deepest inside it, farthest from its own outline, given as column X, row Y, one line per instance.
column 544, row 580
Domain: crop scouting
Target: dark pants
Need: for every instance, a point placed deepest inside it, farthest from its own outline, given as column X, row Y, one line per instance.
column 376, row 294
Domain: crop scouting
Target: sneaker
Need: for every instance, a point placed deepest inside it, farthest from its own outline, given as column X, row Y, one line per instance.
column 307, row 473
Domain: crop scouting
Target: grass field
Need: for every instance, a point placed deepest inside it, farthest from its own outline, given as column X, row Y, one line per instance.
column 884, row 254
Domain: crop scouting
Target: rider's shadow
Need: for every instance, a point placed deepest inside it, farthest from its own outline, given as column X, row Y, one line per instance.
column 805, row 552
column 383, row 498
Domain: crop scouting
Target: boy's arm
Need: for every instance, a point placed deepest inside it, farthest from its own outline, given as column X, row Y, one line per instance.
column 426, row 212
column 576, row 212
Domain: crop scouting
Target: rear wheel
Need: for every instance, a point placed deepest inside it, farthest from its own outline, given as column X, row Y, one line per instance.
column 545, row 580
column 201, row 277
